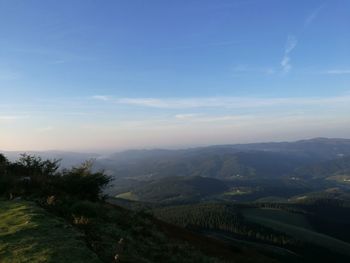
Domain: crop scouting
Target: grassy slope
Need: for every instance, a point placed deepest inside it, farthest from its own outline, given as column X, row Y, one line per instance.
column 29, row 234
column 297, row 226
column 150, row 240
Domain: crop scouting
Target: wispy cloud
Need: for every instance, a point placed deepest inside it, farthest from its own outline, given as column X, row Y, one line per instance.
column 245, row 69
column 186, row 116
column 101, row 97
column 337, row 71
column 45, row 129
column 11, row 117
column 59, row 61
column 312, row 16
column 200, row 118
column 53, row 56
column 225, row 102
column 290, row 45
column 292, row 41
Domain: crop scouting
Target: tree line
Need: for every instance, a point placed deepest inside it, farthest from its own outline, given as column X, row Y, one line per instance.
column 31, row 176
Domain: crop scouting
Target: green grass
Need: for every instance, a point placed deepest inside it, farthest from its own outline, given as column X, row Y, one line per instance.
column 30, row 234
column 297, row 226
column 127, row 196
column 237, row 192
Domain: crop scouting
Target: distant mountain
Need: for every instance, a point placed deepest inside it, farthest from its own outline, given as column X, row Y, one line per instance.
column 176, row 189
column 272, row 159
column 215, row 164
column 336, row 167
column 320, row 148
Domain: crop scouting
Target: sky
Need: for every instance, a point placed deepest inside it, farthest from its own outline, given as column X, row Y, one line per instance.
column 88, row 75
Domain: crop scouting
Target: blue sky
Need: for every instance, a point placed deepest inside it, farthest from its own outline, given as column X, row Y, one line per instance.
column 111, row 75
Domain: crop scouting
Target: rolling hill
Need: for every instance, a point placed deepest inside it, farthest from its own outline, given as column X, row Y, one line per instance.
column 269, row 160
column 336, row 167
column 175, row 189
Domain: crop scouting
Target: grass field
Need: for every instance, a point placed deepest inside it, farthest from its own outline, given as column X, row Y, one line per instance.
column 29, row 234
column 297, row 226
column 342, row 179
column 237, row 192
column 127, row 196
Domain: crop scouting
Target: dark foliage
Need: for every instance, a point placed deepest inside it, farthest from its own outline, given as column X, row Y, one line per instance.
column 32, row 176
column 81, row 183
column 5, row 180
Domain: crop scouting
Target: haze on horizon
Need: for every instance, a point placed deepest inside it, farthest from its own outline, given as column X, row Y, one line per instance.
column 112, row 75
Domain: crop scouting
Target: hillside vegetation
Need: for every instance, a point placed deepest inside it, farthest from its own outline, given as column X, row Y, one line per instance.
column 310, row 232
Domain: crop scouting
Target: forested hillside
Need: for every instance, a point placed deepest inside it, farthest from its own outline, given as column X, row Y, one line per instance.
column 298, row 232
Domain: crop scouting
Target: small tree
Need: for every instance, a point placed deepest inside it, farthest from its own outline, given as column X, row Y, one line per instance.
column 81, row 182
column 34, row 175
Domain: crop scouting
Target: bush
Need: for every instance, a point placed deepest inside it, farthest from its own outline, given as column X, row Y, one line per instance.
column 33, row 176
column 80, row 182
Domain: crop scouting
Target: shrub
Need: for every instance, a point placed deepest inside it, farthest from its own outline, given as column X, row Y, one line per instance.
column 82, row 183
column 33, row 176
